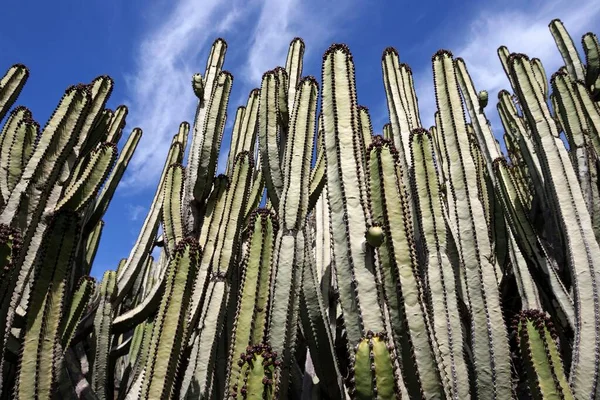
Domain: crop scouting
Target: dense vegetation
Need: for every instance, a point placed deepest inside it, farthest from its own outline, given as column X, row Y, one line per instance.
column 421, row 263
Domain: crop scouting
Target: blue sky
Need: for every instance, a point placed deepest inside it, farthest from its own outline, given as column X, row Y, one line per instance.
column 152, row 48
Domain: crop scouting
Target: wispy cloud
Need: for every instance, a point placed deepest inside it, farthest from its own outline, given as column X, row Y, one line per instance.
column 282, row 20
column 260, row 30
column 135, row 212
column 523, row 30
column 159, row 92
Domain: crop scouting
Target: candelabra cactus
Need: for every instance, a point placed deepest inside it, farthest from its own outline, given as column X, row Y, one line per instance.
column 327, row 261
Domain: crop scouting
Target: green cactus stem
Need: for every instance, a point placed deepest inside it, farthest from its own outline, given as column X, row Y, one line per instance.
column 209, row 87
column 567, row 50
column 258, row 374
column 267, row 136
column 79, row 302
column 489, row 335
column 145, row 240
column 10, row 246
column 441, row 280
column 348, row 212
column 541, row 356
column 172, row 207
column 41, row 351
column 402, row 287
column 16, row 146
column 102, row 201
column 11, row 85
column 373, row 369
column 170, row 327
column 101, row 373
column 581, row 245
column 591, row 47
column 252, row 307
column 78, row 194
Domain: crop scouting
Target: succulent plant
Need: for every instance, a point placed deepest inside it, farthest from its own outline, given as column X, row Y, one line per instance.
column 327, row 261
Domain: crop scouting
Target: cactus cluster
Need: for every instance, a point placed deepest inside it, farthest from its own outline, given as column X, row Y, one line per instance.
column 327, row 261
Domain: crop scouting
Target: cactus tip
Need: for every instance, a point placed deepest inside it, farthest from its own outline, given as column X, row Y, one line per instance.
column 389, row 51
column 335, row 47
column 441, row 53
column 406, row 67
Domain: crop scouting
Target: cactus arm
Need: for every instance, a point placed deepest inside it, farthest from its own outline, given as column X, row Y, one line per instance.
column 541, row 358
column 100, row 90
column 582, row 248
column 267, row 131
column 567, row 49
column 143, row 310
column 490, row 348
column 138, row 357
column 248, row 139
column 172, row 207
column 145, row 239
column 11, row 147
column 254, row 291
column 10, row 246
column 293, row 68
column 96, row 135
column 208, row 87
column 317, row 181
column 79, row 193
column 402, row 291
column 83, row 389
column 41, row 344
column 293, row 209
column 591, row 48
column 101, row 203
column 198, row 377
column 442, row 286
column 529, row 243
column 256, row 193
column 287, row 256
column 575, row 126
column 283, row 112
column 236, row 136
column 540, row 76
column 317, row 328
column 170, row 327
column 503, row 54
column 403, row 117
column 209, row 240
column 79, row 302
column 347, row 211
column 117, row 123
column 101, row 383
column 373, row 370
column 592, row 114
column 518, row 124
column 56, row 141
column 11, row 85
column 487, row 143
column 289, row 246
column 212, row 133
column 365, row 125
column 294, row 197
column 528, row 291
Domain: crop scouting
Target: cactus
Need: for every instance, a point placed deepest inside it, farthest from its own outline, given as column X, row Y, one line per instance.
column 328, row 261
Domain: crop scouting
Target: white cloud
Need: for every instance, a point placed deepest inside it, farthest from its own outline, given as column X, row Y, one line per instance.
column 160, row 95
column 521, row 30
column 135, row 212
column 282, row 20
column 159, row 91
